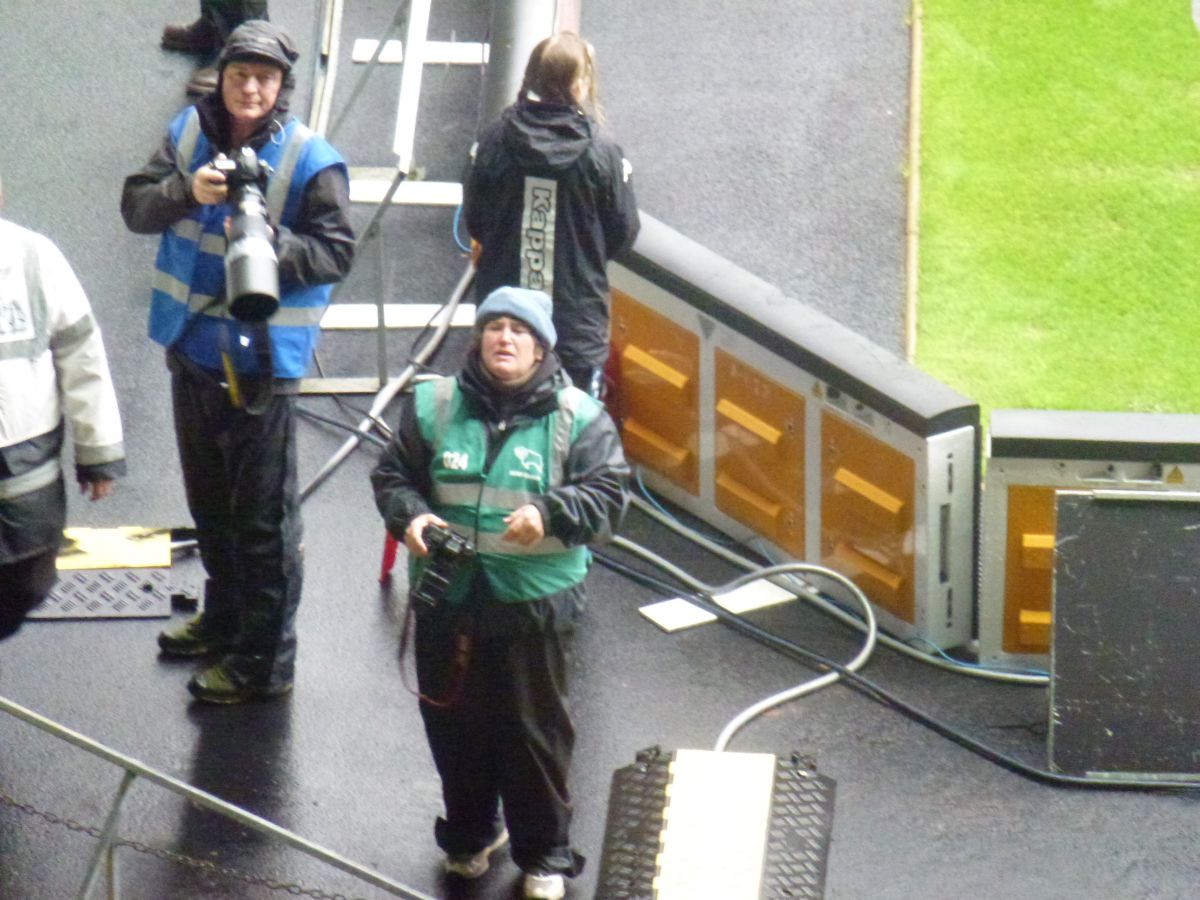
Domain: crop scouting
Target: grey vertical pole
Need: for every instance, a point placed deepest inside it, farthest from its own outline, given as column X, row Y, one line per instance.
column 106, row 836
column 516, row 28
column 380, row 311
column 114, row 874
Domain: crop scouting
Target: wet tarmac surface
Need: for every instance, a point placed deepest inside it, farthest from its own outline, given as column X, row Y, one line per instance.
column 776, row 137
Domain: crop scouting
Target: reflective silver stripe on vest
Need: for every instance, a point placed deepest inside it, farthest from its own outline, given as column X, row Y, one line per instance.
column 28, row 482
column 443, row 393
column 568, row 405
column 281, row 180
column 297, row 316
column 177, row 290
column 471, row 495
column 494, row 543
column 462, row 531
column 186, row 147
column 189, row 230
column 292, row 316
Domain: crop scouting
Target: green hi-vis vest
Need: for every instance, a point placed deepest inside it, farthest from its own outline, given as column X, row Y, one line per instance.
column 475, row 502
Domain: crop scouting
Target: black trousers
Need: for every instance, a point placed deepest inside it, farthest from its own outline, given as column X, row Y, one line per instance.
column 239, row 473
column 23, row 585
column 500, row 730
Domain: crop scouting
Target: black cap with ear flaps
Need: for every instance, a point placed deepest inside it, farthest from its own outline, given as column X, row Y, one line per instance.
column 259, row 41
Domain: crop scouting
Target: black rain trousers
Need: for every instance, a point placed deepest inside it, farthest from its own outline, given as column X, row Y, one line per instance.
column 502, row 742
column 239, row 473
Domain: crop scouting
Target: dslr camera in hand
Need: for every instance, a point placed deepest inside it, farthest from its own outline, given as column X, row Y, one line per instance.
column 251, row 267
column 448, row 552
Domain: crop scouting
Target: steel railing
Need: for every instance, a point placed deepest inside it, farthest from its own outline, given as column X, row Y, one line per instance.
column 132, row 770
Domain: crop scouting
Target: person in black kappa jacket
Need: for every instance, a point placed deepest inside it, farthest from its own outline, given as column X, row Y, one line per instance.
column 549, row 199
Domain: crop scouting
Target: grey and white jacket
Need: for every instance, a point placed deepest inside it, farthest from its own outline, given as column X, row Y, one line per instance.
column 52, row 369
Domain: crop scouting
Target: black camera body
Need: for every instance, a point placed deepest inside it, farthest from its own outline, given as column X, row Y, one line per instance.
column 251, row 267
column 448, row 552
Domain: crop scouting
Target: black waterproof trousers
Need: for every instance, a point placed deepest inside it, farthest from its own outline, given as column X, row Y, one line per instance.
column 31, row 527
column 239, row 472
column 499, row 726
column 23, row 585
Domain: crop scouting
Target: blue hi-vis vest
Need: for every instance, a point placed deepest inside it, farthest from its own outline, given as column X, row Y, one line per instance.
column 189, row 281
column 475, row 502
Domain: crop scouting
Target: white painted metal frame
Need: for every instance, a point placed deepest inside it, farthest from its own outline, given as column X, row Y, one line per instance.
column 410, row 82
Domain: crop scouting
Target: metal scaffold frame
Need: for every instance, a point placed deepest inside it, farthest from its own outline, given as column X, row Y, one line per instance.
column 383, row 187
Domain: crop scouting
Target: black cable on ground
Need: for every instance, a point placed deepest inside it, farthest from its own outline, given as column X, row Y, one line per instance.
column 885, row 697
column 317, row 417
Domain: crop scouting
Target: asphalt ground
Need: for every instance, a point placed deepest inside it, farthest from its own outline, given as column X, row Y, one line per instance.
column 774, row 135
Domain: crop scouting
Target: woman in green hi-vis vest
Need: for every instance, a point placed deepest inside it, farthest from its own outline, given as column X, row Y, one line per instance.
column 508, row 456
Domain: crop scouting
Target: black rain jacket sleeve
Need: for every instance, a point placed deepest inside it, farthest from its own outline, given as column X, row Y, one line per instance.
column 619, row 216
column 589, row 506
column 158, row 195
column 317, row 250
column 401, row 479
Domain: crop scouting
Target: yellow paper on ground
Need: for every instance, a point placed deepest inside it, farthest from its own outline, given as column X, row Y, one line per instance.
column 125, row 547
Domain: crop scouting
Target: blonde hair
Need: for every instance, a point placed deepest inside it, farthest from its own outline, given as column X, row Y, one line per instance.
column 556, row 64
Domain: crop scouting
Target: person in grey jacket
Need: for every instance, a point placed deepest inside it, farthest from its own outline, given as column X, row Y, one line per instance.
column 52, row 369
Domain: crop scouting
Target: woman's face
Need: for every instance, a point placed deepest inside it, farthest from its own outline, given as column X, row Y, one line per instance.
column 509, row 350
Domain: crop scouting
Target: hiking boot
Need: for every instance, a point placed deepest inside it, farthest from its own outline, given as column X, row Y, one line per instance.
column 198, row 37
column 195, row 637
column 235, row 680
column 473, row 865
column 203, row 82
column 544, row 886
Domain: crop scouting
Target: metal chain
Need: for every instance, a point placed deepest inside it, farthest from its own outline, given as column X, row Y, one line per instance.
column 202, row 865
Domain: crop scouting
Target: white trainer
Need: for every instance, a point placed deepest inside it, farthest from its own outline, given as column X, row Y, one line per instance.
column 473, row 865
column 544, row 887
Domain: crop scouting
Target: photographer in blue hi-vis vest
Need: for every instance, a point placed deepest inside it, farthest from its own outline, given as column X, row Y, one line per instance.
column 235, row 377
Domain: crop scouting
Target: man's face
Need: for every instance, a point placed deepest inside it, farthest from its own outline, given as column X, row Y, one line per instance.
column 250, row 90
column 509, row 350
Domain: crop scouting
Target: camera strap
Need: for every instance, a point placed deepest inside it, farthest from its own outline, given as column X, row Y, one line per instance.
column 252, row 394
column 463, row 643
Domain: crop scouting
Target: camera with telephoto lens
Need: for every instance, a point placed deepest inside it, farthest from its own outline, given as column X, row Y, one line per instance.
column 251, row 267
column 447, row 553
